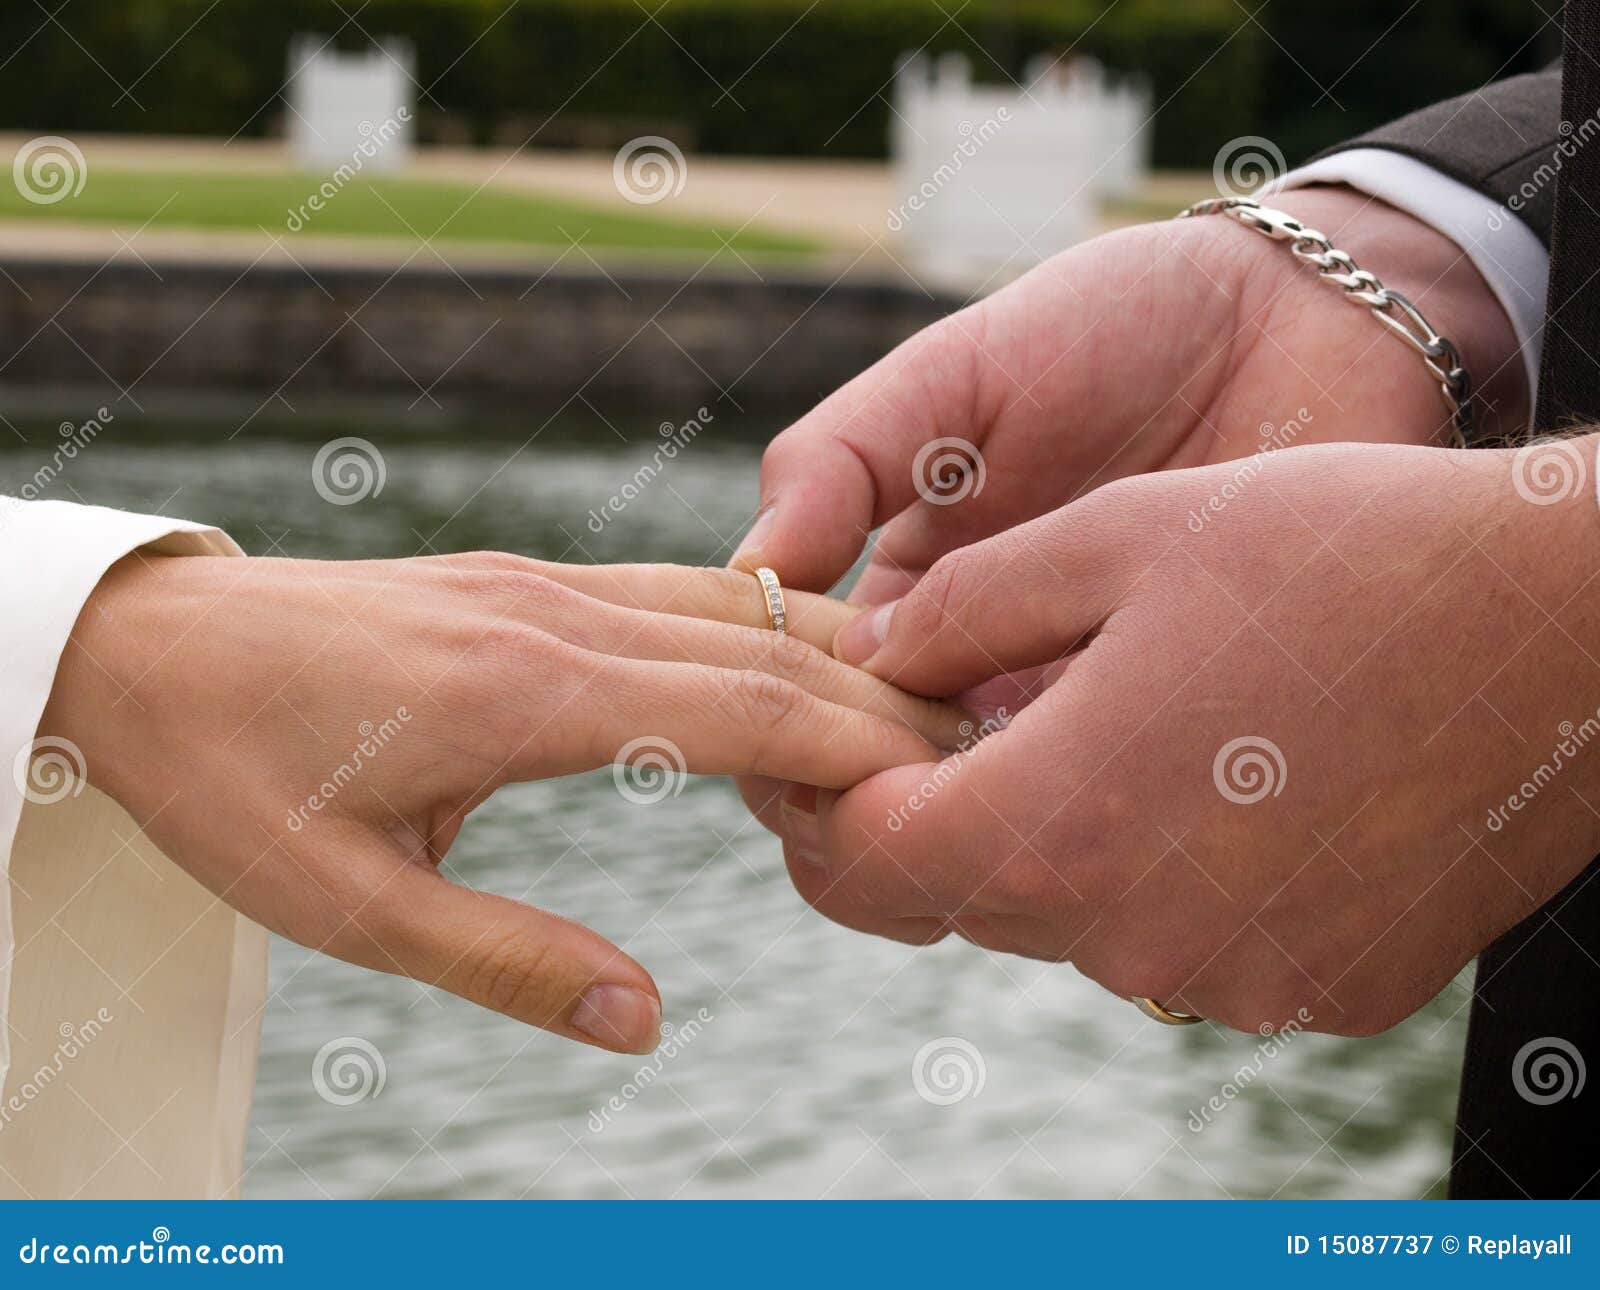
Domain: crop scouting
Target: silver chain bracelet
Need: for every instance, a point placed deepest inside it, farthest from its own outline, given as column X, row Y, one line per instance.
column 1390, row 308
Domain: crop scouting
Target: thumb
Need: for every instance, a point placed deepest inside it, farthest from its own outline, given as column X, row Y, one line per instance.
column 506, row 956
column 847, row 466
column 1021, row 599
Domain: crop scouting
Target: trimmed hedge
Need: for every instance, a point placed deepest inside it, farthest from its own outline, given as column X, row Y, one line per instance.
column 772, row 77
column 1338, row 71
column 729, row 76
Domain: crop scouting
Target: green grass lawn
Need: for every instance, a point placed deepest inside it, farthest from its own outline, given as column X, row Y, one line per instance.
column 385, row 207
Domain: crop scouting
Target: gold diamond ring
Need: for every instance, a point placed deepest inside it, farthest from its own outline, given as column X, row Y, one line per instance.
column 1156, row 1012
column 772, row 590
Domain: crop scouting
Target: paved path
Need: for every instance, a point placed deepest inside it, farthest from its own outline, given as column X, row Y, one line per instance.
column 841, row 205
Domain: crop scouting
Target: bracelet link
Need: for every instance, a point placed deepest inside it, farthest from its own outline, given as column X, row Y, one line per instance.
column 1391, row 308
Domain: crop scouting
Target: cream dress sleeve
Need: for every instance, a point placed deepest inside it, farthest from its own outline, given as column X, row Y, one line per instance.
column 130, row 996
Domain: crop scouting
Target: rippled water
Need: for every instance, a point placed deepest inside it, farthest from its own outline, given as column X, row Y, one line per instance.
column 801, row 1081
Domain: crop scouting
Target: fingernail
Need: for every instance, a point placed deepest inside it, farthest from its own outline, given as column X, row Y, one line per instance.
column 800, row 827
column 801, row 797
column 860, row 638
column 754, row 538
column 619, row 1017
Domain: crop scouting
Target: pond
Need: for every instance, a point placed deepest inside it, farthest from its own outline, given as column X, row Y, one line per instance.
column 795, row 1067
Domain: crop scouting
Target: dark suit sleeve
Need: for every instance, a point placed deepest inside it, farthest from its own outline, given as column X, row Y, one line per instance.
column 1501, row 140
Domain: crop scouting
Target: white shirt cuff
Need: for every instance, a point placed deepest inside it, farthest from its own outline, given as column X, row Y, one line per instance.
column 1509, row 255
column 52, row 555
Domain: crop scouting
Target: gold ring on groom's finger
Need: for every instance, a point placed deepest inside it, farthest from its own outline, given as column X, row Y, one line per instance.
column 772, row 590
column 1156, row 1012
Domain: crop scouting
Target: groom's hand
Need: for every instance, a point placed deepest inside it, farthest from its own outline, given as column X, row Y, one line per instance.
column 1316, row 730
column 1166, row 345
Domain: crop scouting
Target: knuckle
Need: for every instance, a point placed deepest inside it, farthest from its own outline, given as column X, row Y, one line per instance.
column 1080, row 841
column 1359, row 1014
column 509, row 657
column 1113, row 497
column 1024, row 883
column 1362, row 1025
column 732, row 586
column 1137, row 969
column 1118, row 510
column 510, row 976
column 493, row 562
column 943, row 595
column 790, row 659
column 508, row 646
column 731, row 595
column 523, row 591
column 1272, row 1006
column 766, row 699
column 954, row 344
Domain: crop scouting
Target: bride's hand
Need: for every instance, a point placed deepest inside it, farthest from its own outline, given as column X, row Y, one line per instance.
column 306, row 738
